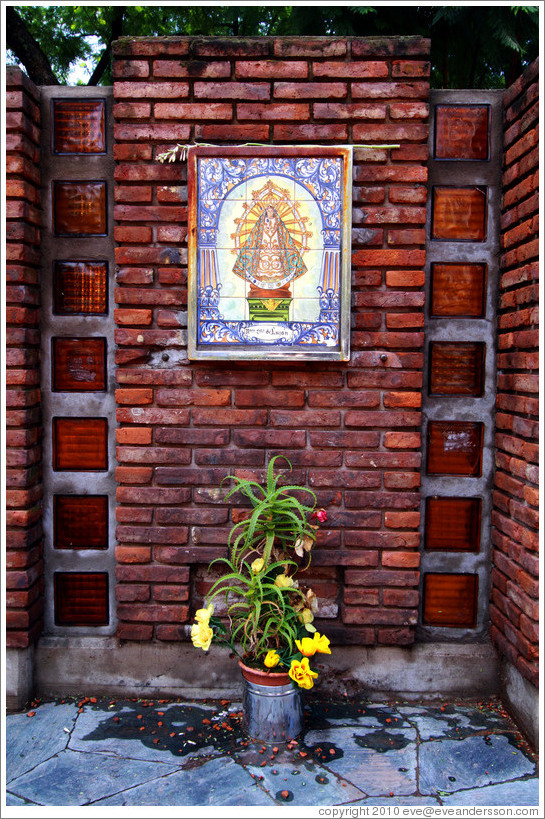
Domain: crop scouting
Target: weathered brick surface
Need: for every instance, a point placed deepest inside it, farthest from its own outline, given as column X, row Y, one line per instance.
column 23, row 437
column 514, row 594
column 352, row 431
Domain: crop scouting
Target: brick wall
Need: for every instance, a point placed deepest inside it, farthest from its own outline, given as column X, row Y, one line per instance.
column 352, row 431
column 514, row 606
column 24, row 563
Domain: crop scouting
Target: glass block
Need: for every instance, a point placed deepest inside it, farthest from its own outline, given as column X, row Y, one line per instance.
column 79, row 208
column 456, row 368
column 81, row 598
column 450, row 600
column 80, row 288
column 459, row 214
column 80, row 444
column 79, row 364
column 461, row 132
column 453, row 524
column 458, row 290
column 80, row 521
column 455, row 448
column 79, row 127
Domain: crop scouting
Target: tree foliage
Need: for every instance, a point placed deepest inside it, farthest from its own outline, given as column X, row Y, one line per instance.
column 472, row 46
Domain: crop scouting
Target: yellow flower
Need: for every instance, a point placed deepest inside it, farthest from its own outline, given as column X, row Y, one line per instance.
column 271, row 659
column 203, row 615
column 201, row 635
column 306, row 617
column 306, row 646
column 321, row 643
column 301, row 673
column 257, row 565
column 283, row 581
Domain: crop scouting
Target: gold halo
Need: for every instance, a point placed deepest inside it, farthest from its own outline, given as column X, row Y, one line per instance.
column 272, row 194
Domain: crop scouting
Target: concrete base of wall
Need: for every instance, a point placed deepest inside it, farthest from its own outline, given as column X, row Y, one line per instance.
column 521, row 699
column 105, row 666
column 19, row 677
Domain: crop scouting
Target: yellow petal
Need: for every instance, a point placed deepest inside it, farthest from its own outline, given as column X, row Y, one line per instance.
column 272, row 659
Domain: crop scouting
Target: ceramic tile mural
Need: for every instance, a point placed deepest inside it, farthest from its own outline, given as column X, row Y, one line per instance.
column 269, row 252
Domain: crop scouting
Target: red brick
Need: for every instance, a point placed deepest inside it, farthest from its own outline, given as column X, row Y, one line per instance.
column 388, row 258
column 232, row 90
column 266, row 398
column 133, row 235
column 191, row 110
column 402, row 520
column 132, row 110
column 133, row 193
column 309, row 131
column 153, row 131
column 152, row 415
column 410, row 68
column 202, row 69
column 273, row 111
column 375, row 616
column 133, row 474
column 233, row 132
column 132, row 153
column 351, row 111
column 133, row 554
column 405, row 278
column 151, row 90
column 390, row 90
column 132, row 631
column 390, row 133
column 310, row 90
column 134, row 396
column 131, row 68
column 390, row 46
column 373, row 69
column 272, row 69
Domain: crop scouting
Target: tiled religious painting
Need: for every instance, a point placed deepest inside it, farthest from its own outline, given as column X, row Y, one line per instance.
column 269, row 261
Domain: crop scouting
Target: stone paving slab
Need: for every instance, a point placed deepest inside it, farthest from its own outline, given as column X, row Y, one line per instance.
column 216, row 782
column 379, row 761
column 454, row 765
column 75, row 778
column 522, row 793
column 301, row 782
column 34, row 739
column 138, row 752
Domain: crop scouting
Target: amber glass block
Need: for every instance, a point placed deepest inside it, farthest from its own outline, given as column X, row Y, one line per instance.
column 81, row 598
column 456, row 368
column 80, row 208
column 459, row 214
column 79, row 127
column 455, row 448
column 458, row 290
column 450, row 600
column 79, row 364
column 453, row 524
column 80, row 287
column 80, row 444
column 80, row 521
column 461, row 132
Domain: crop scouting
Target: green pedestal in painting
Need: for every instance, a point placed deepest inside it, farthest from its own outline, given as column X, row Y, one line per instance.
column 269, row 309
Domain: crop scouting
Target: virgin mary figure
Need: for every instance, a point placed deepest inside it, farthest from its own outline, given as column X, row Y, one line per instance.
column 269, row 259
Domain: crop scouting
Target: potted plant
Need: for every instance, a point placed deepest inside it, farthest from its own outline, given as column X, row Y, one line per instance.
column 269, row 609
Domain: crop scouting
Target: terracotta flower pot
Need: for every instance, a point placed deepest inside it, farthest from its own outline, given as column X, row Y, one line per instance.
column 262, row 677
column 272, row 705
